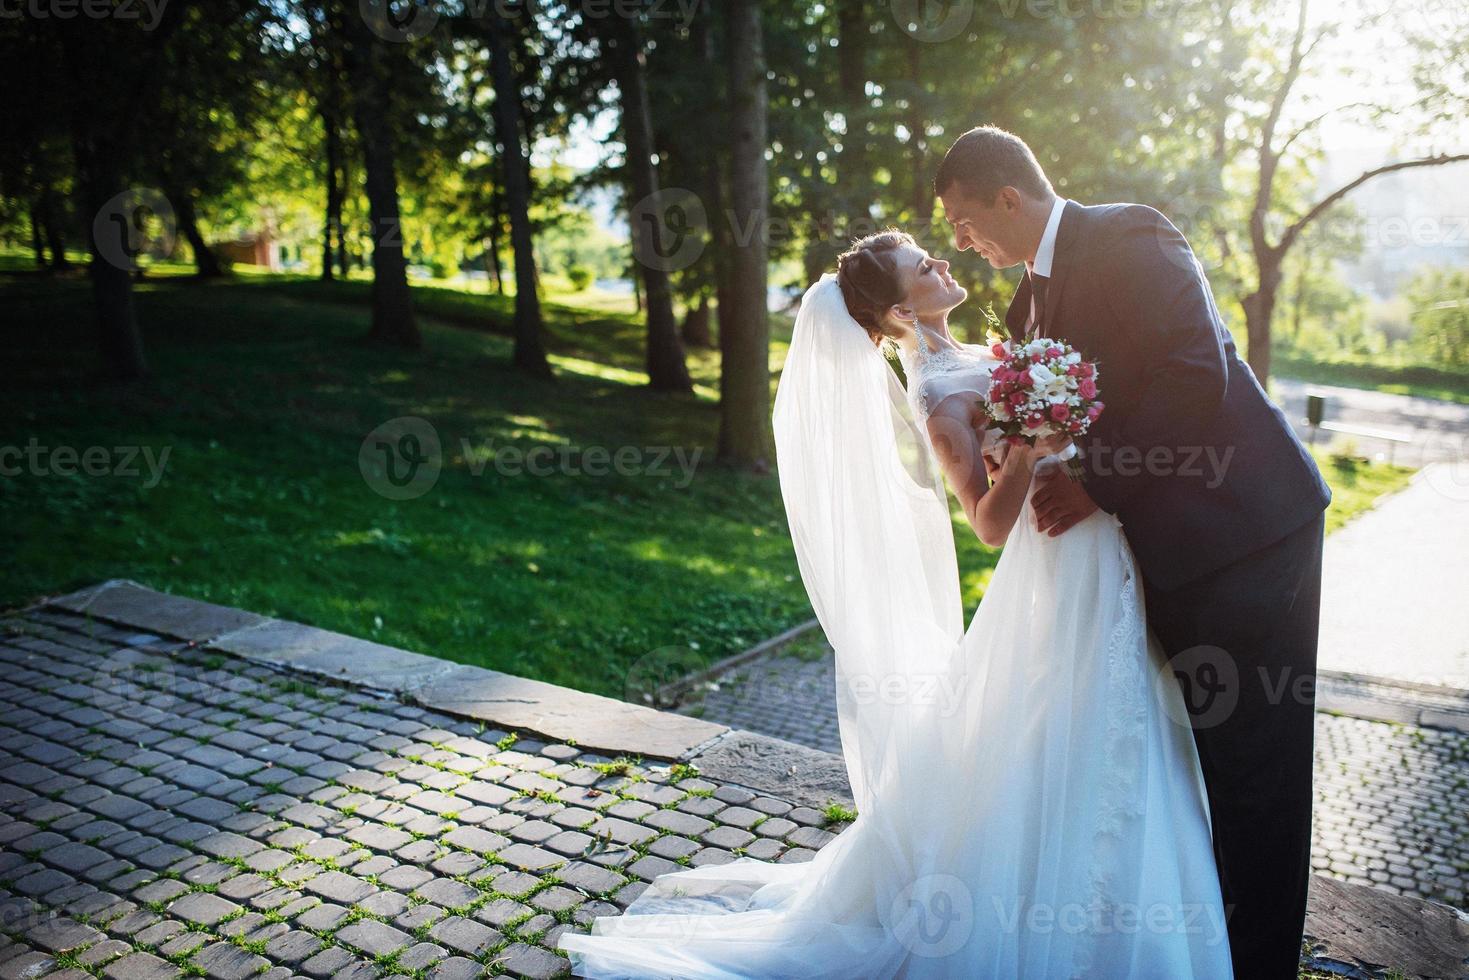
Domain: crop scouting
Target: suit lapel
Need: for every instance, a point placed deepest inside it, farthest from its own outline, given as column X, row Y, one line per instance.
column 1067, row 234
column 1019, row 310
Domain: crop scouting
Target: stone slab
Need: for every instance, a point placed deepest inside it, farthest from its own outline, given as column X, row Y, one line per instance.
column 1370, row 929
column 590, row 721
column 343, row 658
column 777, row 767
column 123, row 601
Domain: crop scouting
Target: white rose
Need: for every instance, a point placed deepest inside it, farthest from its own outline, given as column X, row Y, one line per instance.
column 1041, row 375
column 1074, row 357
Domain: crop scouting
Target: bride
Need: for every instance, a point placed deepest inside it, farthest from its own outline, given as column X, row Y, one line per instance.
column 1029, row 798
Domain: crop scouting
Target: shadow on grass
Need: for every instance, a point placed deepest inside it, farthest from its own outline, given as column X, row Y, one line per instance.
column 261, row 397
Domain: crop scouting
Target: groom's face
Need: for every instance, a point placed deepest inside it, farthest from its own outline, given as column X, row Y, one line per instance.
column 990, row 228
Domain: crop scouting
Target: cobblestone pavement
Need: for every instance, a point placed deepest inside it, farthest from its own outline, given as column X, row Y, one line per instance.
column 168, row 811
column 1392, row 806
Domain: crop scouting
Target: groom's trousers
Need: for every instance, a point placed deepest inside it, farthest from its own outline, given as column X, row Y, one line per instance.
column 1242, row 642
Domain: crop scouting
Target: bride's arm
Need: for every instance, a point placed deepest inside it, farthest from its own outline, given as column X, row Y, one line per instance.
column 990, row 509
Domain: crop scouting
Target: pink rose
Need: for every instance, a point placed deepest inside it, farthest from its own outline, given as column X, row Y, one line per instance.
column 1087, row 388
column 1017, row 398
column 1024, row 378
column 1087, row 369
column 1094, row 410
column 999, row 350
column 1053, row 351
column 1059, row 413
column 1073, row 370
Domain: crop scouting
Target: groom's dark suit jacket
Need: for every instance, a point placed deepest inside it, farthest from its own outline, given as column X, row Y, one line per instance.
column 1191, row 456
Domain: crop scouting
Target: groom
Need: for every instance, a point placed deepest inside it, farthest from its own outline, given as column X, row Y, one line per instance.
column 1221, row 504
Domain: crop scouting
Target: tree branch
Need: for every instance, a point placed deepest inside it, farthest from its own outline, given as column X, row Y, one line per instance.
column 1287, row 82
column 1308, row 126
column 1294, row 231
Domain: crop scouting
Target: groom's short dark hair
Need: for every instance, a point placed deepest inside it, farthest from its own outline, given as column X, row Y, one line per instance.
column 987, row 158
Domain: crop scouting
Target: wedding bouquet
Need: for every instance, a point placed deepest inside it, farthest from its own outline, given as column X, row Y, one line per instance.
column 1040, row 388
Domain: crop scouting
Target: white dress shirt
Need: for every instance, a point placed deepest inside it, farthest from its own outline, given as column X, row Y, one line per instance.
column 1045, row 253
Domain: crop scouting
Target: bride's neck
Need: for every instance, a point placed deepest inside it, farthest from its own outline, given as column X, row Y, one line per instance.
column 932, row 328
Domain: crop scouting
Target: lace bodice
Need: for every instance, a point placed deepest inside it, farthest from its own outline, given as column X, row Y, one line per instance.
column 936, row 371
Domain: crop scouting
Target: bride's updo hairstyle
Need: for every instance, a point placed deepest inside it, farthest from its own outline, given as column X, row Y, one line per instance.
column 868, row 276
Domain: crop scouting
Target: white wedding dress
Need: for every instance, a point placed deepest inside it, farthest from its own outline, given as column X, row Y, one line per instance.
column 1029, row 797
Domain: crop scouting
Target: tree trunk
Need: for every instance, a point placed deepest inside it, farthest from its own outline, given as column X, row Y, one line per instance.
column 36, row 244
column 853, row 177
column 113, row 250
column 490, row 259
column 206, row 263
column 530, row 352
column 665, row 355
column 917, row 144
column 709, row 168
column 51, row 225
column 344, row 255
column 392, row 305
column 695, row 329
column 1259, row 309
column 393, row 322
column 745, row 438
column 333, row 224
column 497, row 222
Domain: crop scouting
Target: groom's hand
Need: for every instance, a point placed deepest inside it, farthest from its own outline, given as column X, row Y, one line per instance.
column 1060, row 502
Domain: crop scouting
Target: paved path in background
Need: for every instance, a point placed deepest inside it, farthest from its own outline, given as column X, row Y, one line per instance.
column 166, row 811
column 1439, row 429
column 1395, row 585
column 1392, row 799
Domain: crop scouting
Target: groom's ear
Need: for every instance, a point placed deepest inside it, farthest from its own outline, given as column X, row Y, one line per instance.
column 1009, row 199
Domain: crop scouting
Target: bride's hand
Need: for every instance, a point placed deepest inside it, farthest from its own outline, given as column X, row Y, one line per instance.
column 1049, row 446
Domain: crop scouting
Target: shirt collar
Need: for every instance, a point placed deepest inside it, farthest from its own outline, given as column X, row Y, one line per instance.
column 1045, row 253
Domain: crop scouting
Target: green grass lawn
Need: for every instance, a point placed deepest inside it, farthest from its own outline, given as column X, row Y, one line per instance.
column 262, row 398
column 1424, row 381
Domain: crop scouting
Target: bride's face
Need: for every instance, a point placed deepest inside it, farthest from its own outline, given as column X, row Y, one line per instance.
column 930, row 290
